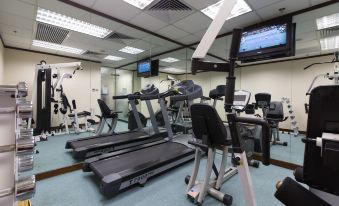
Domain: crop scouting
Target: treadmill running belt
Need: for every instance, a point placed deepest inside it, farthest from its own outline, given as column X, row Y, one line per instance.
column 140, row 158
column 114, row 138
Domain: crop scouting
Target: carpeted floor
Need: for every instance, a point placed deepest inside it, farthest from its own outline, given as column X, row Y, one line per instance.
column 78, row 188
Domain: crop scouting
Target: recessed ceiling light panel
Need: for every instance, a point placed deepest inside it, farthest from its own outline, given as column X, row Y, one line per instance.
column 329, row 43
column 57, row 47
column 141, row 4
column 169, row 60
column 328, row 21
column 241, row 7
column 173, row 70
column 113, row 58
column 131, row 50
column 63, row 21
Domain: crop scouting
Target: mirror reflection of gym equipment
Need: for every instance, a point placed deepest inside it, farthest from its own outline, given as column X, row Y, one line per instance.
column 169, row 102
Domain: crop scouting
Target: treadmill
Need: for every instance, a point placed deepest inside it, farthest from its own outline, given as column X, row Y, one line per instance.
column 124, row 168
column 96, row 145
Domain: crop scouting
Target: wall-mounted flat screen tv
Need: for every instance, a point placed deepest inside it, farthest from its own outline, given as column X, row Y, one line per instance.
column 268, row 41
column 148, row 68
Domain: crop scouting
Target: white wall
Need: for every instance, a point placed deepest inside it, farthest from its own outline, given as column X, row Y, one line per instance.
column 1, row 62
column 281, row 79
column 286, row 79
column 84, row 87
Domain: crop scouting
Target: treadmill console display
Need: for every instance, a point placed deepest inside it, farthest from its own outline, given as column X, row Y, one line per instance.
column 188, row 91
column 241, row 99
column 184, row 86
column 150, row 89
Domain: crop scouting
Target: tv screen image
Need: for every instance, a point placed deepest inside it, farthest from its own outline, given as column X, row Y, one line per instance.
column 266, row 37
column 144, row 67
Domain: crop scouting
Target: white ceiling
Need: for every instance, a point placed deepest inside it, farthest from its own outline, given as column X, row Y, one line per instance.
column 17, row 26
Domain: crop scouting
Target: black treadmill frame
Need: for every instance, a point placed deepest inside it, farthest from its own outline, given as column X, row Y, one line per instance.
column 112, row 146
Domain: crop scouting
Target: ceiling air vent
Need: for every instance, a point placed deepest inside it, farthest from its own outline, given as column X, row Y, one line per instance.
column 329, row 32
column 172, row 5
column 116, row 35
column 169, row 11
column 49, row 33
column 120, row 38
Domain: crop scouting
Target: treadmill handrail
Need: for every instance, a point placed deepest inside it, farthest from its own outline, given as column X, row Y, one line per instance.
column 168, row 93
column 180, row 97
column 149, row 97
column 133, row 96
column 159, row 96
column 120, row 97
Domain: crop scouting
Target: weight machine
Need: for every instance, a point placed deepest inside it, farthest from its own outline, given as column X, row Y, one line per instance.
column 334, row 76
column 46, row 92
column 320, row 168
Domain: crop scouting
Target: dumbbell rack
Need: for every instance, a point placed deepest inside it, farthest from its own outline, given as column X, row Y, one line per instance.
column 16, row 145
column 292, row 117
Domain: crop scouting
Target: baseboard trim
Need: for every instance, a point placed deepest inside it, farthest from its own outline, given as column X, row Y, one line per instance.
column 59, row 171
column 291, row 131
column 279, row 163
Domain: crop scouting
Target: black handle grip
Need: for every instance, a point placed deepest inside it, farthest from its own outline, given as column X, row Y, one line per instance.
column 74, row 104
column 120, row 97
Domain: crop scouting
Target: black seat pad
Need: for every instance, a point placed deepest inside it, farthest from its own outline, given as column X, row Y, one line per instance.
column 206, row 122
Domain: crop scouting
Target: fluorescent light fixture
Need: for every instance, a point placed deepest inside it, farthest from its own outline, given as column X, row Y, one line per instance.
column 60, row 20
column 141, row 4
column 113, row 58
column 329, row 43
column 131, row 50
column 169, row 60
column 57, row 47
column 241, row 7
column 328, row 21
column 173, row 70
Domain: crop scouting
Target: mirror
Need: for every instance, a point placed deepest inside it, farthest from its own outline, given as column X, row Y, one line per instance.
column 111, row 72
column 118, row 76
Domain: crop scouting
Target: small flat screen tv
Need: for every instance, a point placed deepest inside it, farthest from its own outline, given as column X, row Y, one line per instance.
column 148, row 68
column 268, row 41
column 144, row 68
